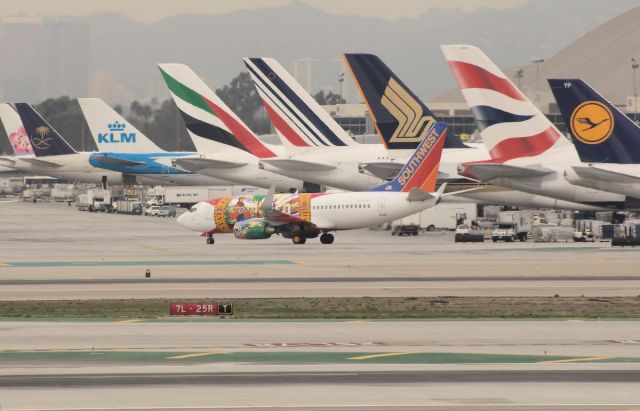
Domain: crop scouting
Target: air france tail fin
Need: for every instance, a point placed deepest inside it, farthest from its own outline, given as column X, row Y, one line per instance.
column 510, row 125
column 299, row 120
column 44, row 139
column 421, row 170
column 15, row 131
column 205, row 114
column 112, row 132
column 600, row 132
column 402, row 120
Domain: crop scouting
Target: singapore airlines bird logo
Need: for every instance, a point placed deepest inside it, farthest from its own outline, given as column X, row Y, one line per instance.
column 40, row 139
column 412, row 123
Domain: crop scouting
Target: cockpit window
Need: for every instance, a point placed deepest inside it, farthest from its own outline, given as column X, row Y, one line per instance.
column 193, row 209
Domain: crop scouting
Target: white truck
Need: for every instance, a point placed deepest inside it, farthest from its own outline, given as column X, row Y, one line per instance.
column 128, row 207
column 95, row 200
column 444, row 216
column 511, row 226
column 185, row 196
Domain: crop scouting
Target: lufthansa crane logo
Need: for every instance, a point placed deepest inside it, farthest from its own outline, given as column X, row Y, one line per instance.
column 412, row 123
column 592, row 122
column 40, row 138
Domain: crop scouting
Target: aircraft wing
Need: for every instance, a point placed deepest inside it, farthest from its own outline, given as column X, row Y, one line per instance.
column 7, row 162
column 196, row 164
column 119, row 162
column 41, row 163
column 595, row 173
column 275, row 217
column 297, row 165
column 487, row 171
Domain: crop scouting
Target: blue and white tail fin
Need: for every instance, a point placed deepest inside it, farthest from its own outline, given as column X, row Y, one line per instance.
column 400, row 117
column 112, row 132
column 421, row 170
column 44, row 139
column 510, row 125
column 299, row 120
column 600, row 132
column 15, row 131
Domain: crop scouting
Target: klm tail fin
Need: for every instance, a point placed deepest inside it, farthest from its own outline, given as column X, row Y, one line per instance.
column 44, row 139
column 205, row 114
column 112, row 132
column 400, row 117
column 600, row 132
column 421, row 170
column 298, row 118
column 15, row 131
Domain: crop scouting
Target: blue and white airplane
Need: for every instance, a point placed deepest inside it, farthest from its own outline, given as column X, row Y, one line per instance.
column 124, row 149
column 607, row 141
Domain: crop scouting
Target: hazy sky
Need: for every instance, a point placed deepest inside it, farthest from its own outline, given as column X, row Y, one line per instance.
column 153, row 10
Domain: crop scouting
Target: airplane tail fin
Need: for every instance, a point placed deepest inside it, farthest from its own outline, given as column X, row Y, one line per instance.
column 206, row 115
column 400, row 117
column 112, row 132
column 600, row 132
column 299, row 120
column 15, row 131
column 421, row 170
column 510, row 125
column 44, row 139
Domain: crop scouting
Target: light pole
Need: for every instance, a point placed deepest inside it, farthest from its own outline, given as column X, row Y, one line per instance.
column 340, row 81
column 519, row 74
column 537, row 62
column 634, row 66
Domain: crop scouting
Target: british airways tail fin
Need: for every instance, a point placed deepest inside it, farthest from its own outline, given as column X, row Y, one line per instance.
column 511, row 126
column 44, row 139
column 400, row 117
column 299, row 120
column 600, row 132
column 112, row 132
column 206, row 115
column 15, row 131
column 421, row 170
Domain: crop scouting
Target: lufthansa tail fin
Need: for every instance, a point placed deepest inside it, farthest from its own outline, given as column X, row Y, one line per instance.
column 401, row 118
column 421, row 170
column 15, row 131
column 206, row 116
column 112, row 132
column 299, row 120
column 600, row 132
column 44, row 139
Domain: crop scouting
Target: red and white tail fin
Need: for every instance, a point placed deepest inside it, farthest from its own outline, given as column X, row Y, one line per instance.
column 511, row 126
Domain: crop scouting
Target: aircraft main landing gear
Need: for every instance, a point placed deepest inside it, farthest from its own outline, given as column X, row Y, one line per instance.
column 298, row 239
column 326, row 238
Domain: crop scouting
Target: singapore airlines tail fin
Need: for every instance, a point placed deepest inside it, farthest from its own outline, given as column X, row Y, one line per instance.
column 421, row 170
column 600, row 132
column 44, row 139
column 112, row 132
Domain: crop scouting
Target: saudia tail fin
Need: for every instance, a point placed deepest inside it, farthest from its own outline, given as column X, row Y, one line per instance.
column 600, row 132
column 298, row 118
column 421, row 170
column 205, row 114
column 400, row 117
column 112, row 132
column 510, row 125
column 15, row 131
column 44, row 139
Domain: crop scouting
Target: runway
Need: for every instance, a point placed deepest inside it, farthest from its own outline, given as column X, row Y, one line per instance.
column 106, row 256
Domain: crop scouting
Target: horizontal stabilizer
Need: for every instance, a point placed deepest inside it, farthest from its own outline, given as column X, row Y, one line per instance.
column 596, row 173
column 487, row 172
column 119, row 162
column 384, row 170
column 195, row 164
column 297, row 165
column 41, row 163
column 416, row 194
column 7, row 162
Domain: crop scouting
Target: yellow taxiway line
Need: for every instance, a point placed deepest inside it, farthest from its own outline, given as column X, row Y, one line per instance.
column 194, row 355
column 577, row 360
column 389, row 354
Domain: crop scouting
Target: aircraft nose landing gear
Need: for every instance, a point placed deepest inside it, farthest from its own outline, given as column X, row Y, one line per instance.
column 326, row 238
column 210, row 239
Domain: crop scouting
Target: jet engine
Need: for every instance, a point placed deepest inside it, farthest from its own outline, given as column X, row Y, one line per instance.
column 254, row 229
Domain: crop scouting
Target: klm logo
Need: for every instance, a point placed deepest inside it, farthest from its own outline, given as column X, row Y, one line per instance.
column 116, row 134
column 413, row 124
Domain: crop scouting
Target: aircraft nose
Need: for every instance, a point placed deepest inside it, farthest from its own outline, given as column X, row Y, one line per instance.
column 199, row 218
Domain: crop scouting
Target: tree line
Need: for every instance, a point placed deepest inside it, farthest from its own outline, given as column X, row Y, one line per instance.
column 161, row 121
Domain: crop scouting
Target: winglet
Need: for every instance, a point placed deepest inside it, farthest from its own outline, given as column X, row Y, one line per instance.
column 267, row 203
